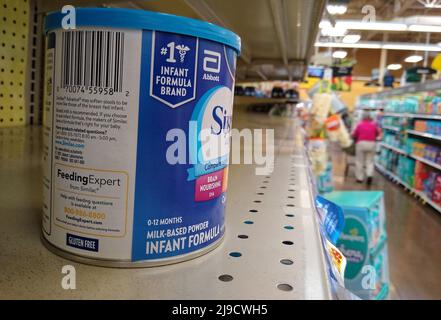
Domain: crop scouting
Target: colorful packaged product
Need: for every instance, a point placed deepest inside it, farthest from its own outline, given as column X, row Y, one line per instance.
column 422, row 173
column 420, row 125
column 429, row 183
column 436, row 193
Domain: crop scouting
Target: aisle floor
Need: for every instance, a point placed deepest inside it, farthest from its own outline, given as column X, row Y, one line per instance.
column 414, row 236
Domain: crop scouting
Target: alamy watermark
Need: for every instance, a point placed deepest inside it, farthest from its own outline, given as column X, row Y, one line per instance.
column 248, row 146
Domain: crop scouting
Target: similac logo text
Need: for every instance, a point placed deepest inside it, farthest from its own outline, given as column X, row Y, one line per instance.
column 222, row 119
column 215, row 125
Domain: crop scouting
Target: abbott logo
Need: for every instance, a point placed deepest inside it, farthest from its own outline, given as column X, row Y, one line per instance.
column 212, row 61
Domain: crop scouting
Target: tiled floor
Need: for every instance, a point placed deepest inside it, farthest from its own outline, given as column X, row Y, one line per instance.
column 414, row 236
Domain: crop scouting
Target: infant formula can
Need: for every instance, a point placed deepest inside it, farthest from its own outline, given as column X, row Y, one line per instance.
column 138, row 111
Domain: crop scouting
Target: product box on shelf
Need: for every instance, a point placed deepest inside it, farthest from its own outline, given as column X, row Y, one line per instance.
column 379, row 260
column 420, row 125
column 425, row 101
column 431, row 153
column 436, row 193
column 409, row 145
column 433, row 127
column 429, row 183
column 324, row 180
column 430, row 127
column 406, row 169
column 436, row 105
column 363, row 241
column 410, row 104
column 418, row 149
column 438, row 157
column 422, row 173
column 393, row 105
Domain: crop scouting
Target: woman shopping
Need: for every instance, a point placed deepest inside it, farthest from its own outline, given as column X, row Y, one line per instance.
column 365, row 136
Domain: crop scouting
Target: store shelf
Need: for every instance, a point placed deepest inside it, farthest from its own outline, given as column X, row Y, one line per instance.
column 424, row 116
column 425, row 135
column 404, row 153
column 413, row 115
column 393, row 114
column 29, row 270
column 391, row 128
column 370, row 108
column 394, row 177
column 397, row 150
column 413, row 88
column 428, row 162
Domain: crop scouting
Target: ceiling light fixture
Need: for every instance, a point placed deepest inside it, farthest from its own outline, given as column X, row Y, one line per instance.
column 360, row 25
column 339, row 54
column 325, row 24
column 378, row 26
column 394, row 66
column 380, row 45
column 351, row 38
column 413, row 59
column 430, row 3
column 424, row 28
column 361, row 45
column 334, row 31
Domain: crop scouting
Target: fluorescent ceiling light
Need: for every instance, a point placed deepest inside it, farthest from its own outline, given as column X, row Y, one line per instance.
column 339, row 54
column 414, row 47
column 380, row 45
column 394, row 66
column 325, row 24
column 413, row 59
column 410, row 46
column 361, row 45
column 336, row 8
column 380, row 26
column 351, row 38
column 360, row 25
column 334, row 31
column 430, row 3
column 424, row 28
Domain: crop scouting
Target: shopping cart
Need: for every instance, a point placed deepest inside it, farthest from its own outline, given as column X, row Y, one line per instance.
column 350, row 158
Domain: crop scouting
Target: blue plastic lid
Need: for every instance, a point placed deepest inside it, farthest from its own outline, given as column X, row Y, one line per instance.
column 142, row 19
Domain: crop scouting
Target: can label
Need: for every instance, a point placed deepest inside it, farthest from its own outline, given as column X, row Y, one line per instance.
column 137, row 133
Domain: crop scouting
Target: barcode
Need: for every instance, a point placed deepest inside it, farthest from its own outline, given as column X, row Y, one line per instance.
column 92, row 58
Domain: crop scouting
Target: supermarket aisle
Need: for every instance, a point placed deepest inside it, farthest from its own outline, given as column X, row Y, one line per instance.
column 413, row 237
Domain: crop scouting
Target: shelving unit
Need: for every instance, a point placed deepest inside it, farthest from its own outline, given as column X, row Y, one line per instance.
column 393, row 114
column 397, row 150
column 266, row 268
column 404, row 153
column 428, row 138
column 421, row 195
column 413, row 115
column 417, row 87
column 391, row 128
column 428, row 162
column 424, row 135
column 370, row 108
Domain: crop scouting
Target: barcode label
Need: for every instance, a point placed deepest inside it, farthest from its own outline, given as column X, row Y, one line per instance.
column 92, row 59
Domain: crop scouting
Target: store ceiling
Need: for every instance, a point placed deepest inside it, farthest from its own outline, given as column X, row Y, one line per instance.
column 277, row 35
column 396, row 11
